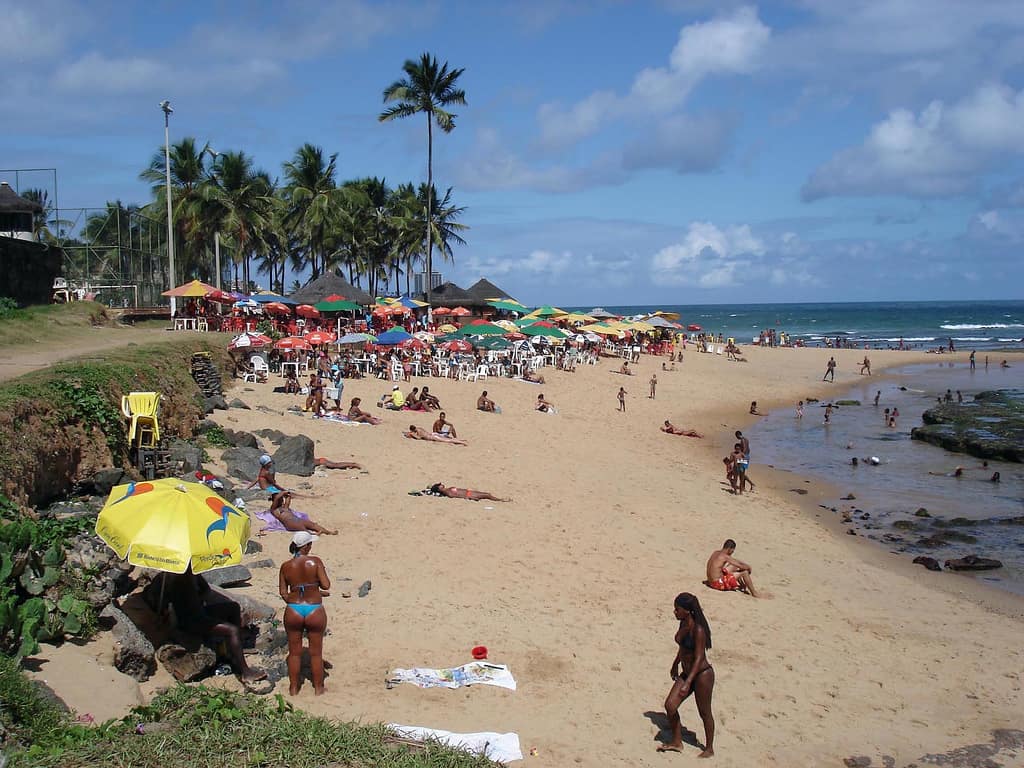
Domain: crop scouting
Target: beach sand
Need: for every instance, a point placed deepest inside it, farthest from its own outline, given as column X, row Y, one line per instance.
column 571, row 584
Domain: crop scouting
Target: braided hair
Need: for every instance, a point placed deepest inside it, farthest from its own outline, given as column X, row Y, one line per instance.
column 691, row 604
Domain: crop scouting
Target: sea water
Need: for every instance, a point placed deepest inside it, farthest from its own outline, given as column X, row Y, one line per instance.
column 982, row 325
column 903, row 481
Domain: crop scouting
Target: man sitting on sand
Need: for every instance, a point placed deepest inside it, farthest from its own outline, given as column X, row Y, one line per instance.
column 393, row 400
column 727, row 574
column 440, row 489
column 672, row 429
column 416, row 433
column 484, row 403
column 443, row 427
column 543, row 405
column 624, row 370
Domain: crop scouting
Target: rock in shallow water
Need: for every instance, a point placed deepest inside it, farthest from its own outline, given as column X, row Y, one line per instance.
column 974, row 563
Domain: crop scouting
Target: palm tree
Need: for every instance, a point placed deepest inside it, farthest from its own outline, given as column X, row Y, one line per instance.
column 309, row 194
column 443, row 225
column 42, row 221
column 240, row 204
column 427, row 88
column 189, row 172
column 408, row 220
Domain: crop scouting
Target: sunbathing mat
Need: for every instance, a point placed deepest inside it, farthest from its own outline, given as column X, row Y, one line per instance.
column 499, row 747
column 474, row 673
column 273, row 524
column 338, row 418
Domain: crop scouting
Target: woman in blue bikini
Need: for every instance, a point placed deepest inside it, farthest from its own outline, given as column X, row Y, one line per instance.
column 303, row 583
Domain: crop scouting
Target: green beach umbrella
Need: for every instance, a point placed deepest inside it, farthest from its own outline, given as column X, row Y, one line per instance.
column 547, row 311
column 507, row 304
column 337, row 306
column 543, row 330
column 481, row 329
column 493, row 342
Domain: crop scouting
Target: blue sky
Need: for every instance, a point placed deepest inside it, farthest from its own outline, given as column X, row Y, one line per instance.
column 610, row 152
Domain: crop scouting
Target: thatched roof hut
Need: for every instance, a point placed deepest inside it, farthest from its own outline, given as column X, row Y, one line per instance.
column 450, row 295
column 327, row 285
column 483, row 290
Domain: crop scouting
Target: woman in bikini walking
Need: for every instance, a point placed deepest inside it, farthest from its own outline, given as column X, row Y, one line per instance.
column 303, row 583
column 692, row 673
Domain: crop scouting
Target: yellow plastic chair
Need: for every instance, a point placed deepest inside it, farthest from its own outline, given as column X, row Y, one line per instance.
column 142, row 408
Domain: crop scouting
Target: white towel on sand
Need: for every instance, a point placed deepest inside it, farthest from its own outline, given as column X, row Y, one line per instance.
column 474, row 673
column 500, row 747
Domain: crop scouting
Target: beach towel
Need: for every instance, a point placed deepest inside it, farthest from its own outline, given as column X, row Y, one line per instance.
column 340, row 418
column 499, row 747
column 273, row 524
column 474, row 673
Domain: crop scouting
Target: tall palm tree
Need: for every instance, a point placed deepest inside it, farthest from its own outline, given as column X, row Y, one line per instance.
column 408, row 219
column 426, row 89
column 310, row 196
column 43, row 220
column 240, row 204
column 189, row 172
column 443, row 225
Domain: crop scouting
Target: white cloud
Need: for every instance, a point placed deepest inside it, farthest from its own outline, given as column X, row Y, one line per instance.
column 707, row 256
column 729, row 44
column 31, row 31
column 938, row 152
column 95, row 72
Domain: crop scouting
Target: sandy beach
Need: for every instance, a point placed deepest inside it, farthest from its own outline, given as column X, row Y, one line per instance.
column 571, row 584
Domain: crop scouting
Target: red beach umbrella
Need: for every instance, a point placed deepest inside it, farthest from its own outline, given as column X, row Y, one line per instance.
column 307, row 310
column 442, row 311
column 276, row 308
column 319, row 337
column 292, row 342
column 221, row 297
column 694, row 327
column 335, row 297
column 459, row 312
column 457, row 345
column 412, row 343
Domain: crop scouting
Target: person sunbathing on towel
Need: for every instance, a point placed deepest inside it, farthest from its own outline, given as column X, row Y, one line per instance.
column 281, row 500
column 355, row 413
column 727, row 574
column 416, row 433
column 328, row 464
column 672, row 429
column 533, row 376
column 463, row 493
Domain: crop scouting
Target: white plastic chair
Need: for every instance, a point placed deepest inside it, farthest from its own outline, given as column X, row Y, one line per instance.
column 482, row 371
column 397, row 372
column 260, row 369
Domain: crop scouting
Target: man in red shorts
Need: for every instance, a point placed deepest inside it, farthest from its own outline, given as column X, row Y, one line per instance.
column 727, row 574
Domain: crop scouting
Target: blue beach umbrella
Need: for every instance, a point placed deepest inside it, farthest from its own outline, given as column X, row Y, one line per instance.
column 393, row 337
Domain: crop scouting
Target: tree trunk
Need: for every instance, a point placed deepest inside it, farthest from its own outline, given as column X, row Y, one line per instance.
column 430, row 195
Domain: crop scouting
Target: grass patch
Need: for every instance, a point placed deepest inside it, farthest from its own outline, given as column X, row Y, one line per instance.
column 31, row 324
column 188, row 726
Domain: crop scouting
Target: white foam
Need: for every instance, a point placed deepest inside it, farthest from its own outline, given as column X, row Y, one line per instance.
column 980, row 326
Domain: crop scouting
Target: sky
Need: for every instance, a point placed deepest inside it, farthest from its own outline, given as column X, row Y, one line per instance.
column 673, row 152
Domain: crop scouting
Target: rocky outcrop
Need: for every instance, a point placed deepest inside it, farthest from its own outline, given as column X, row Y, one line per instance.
column 989, row 427
column 295, row 456
column 974, row 563
column 187, row 666
column 243, row 463
column 133, row 653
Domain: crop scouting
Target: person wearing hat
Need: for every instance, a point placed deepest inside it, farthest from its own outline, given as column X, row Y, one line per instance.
column 393, row 400
column 281, row 500
column 303, row 583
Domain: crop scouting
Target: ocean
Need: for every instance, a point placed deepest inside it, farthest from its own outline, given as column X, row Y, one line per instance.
column 921, row 324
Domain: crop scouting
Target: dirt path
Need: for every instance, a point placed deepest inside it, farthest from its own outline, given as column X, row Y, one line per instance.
column 23, row 358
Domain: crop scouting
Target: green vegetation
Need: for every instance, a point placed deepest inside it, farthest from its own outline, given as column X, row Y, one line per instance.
column 188, row 726
column 22, row 326
column 215, row 437
column 40, row 599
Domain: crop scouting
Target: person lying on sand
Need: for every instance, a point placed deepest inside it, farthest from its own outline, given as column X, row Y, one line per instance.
column 727, row 574
column 328, row 464
column 672, row 429
column 355, row 413
column 416, row 433
column 452, row 492
column 533, row 376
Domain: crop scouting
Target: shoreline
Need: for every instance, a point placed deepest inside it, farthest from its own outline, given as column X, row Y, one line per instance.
column 571, row 584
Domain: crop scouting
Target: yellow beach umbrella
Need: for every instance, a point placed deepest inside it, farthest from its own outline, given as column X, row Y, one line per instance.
column 167, row 524
column 447, row 328
column 639, row 325
column 194, row 289
column 604, row 330
column 577, row 317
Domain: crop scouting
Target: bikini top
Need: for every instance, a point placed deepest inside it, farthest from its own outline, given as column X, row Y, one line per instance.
column 302, row 587
column 687, row 642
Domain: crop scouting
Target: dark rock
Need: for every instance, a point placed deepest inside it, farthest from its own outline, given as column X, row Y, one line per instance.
column 237, row 403
column 105, row 479
column 973, row 563
column 1012, row 520
column 264, row 563
column 954, row 522
column 801, row 491
column 265, row 409
column 273, row 435
column 931, row 542
column 253, row 547
column 205, row 426
column 810, row 399
column 216, row 402
column 294, row 409
column 253, row 611
column 921, row 512
column 857, row 762
column 906, row 525
column 232, row 576
column 133, row 653
column 851, row 531
column 187, row 666
column 847, row 402
column 243, row 463
column 295, row 456
column 241, row 439
column 847, row 497
column 928, row 562
column 990, row 427
column 190, row 456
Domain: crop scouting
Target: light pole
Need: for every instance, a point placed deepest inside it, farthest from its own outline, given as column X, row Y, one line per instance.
column 166, row 107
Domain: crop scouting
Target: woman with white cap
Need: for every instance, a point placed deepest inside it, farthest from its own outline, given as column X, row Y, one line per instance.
column 303, row 583
column 280, row 506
